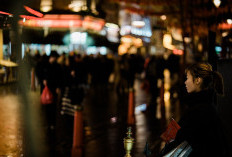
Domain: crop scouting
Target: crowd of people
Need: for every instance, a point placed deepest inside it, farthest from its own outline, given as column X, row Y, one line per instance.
column 78, row 71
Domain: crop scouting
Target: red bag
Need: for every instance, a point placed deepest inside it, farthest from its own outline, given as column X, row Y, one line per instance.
column 46, row 96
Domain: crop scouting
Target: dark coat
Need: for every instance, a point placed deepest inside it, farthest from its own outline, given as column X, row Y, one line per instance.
column 53, row 73
column 201, row 127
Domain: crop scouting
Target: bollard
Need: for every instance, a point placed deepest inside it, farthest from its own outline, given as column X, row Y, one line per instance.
column 77, row 132
column 131, row 108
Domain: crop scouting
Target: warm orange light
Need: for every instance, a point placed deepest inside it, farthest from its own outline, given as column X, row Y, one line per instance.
column 137, row 42
column 122, row 49
column 62, row 17
column 93, row 23
column 126, row 39
column 225, row 26
column 167, row 42
column 46, row 5
column 46, row 8
column 163, row 17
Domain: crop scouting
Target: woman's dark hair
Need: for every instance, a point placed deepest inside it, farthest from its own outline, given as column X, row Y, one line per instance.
column 211, row 79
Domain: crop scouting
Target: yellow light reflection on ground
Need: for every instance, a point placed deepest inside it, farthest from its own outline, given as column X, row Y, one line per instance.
column 167, row 86
column 10, row 132
column 168, row 113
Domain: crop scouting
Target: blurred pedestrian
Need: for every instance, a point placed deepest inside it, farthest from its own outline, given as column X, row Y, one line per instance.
column 50, row 75
column 201, row 125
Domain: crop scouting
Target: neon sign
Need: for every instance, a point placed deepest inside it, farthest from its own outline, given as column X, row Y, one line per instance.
column 5, row 13
column 65, row 21
column 36, row 13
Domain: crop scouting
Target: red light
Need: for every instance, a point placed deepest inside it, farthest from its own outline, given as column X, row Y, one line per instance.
column 225, row 26
column 5, row 13
column 63, row 21
column 178, row 52
column 51, row 23
column 36, row 13
column 28, row 17
column 62, row 17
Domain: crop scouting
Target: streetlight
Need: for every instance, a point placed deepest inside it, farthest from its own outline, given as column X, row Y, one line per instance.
column 229, row 21
column 217, row 3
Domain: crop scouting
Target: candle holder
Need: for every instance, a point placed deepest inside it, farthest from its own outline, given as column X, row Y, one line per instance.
column 128, row 142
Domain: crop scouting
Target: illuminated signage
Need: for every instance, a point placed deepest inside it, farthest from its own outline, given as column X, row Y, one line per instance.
column 5, row 13
column 36, row 13
column 65, row 21
column 51, row 23
column 93, row 23
column 27, row 17
column 112, row 32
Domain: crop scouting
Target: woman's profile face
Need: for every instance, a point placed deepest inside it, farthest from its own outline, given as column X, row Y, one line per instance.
column 191, row 84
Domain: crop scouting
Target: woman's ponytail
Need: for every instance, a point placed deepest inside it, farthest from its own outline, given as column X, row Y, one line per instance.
column 211, row 79
column 218, row 82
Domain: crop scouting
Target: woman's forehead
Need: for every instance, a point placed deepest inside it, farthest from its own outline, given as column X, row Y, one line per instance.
column 188, row 73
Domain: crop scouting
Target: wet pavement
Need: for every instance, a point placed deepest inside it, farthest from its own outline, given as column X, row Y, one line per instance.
column 105, row 123
column 10, row 126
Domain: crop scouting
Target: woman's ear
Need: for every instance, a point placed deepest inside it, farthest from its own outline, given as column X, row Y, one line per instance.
column 198, row 80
